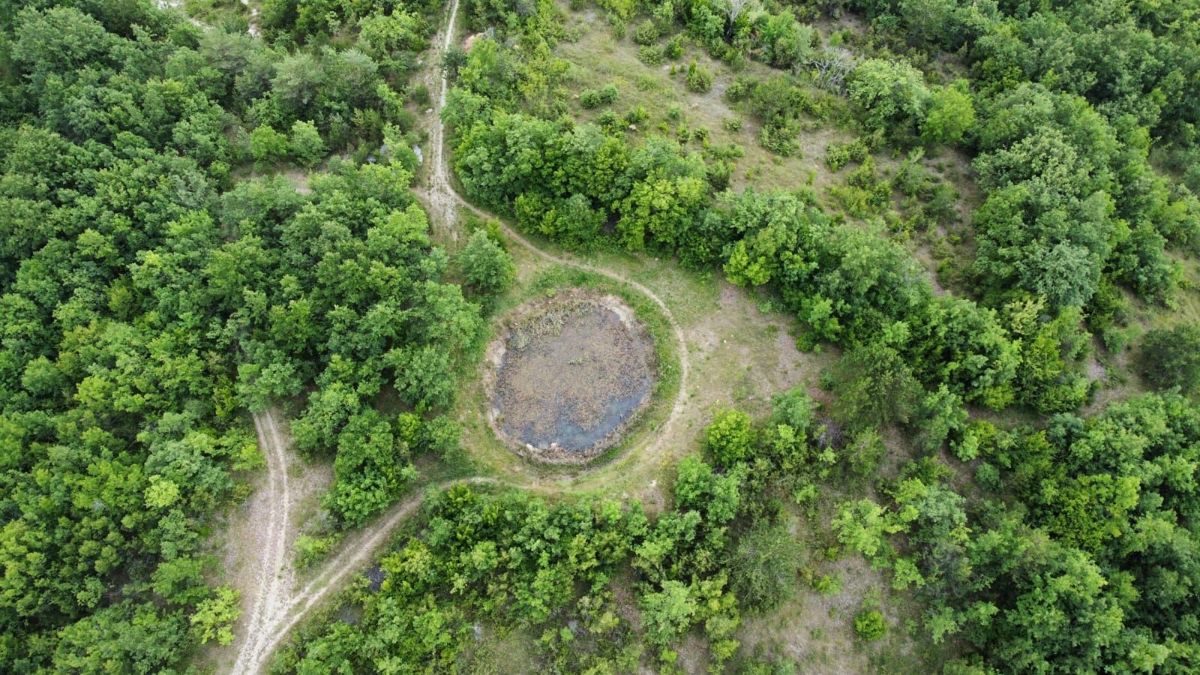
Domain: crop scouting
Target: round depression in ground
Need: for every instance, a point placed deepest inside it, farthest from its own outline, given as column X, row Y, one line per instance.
column 569, row 374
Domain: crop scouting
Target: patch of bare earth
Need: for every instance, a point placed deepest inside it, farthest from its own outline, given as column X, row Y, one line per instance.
column 299, row 180
column 262, row 533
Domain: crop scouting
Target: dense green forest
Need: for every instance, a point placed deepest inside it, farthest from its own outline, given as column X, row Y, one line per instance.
column 203, row 217
column 153, row 288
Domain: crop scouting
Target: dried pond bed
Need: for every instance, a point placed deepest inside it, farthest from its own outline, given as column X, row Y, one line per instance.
column 568, row 375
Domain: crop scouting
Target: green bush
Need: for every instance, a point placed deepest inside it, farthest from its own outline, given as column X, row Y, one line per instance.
column 764, row 566
column 699, row 79
column 674, row 48
column 779, row 139
column 838, row 155
column 486, row 267
column 951, row 114
column 729, row 437
column 307, row 146
column 864, row 453
column 870, row 625
column 267, row 146
column 214, row 618
column 594, row 98
column 646, row 33
column 420, row 95
column 651, row 55
column 1170, row 357
column 740, row 89
column 310, row 549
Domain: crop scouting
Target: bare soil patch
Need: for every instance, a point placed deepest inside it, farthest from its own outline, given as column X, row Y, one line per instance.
column 568, row 375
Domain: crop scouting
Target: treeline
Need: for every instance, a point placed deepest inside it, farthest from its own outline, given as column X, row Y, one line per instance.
column 150, row 294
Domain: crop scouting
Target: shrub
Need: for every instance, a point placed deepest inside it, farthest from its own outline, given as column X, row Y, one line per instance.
column 870, row 625
column 306, row 143
column 487, row 268
column 1170, row 357
column 779, row 139
column 267, row 145
column 951, row 114
column 863, row 526
column 729, row 438
column 674, row 47
column 214, row 617
column 838, row 155
column 651, row 55
column 594, row 98
column 610, row 123
column 310, row 549
column 699, row 78
column 646, row 33
column 637, row 115
column 889, row 96
column 764, row 566
column 827, row 584
column 453, row 59
column 864, row 452
column 420, row 95
column 740, row 89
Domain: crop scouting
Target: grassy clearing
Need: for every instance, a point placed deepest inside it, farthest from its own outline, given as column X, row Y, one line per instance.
column 1119, row 378
column 741, row 351
column 598, row 58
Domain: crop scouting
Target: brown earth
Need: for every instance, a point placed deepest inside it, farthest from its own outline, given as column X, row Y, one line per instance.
column 568, row 375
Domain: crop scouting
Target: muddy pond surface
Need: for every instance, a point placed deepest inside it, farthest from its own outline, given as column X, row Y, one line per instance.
column 569, row 375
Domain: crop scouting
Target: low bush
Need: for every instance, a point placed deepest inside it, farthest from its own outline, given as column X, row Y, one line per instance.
column 594, row 98
column 646, row 33
column 699, row 78
column 870, row 625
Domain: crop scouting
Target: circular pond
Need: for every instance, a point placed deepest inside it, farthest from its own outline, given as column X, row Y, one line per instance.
column 568, row 375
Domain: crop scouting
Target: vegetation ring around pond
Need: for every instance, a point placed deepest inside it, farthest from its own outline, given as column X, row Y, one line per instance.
column 568, row 375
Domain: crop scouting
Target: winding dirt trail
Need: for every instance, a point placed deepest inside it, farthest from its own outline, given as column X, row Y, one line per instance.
column 273, row 575
column 278, row 605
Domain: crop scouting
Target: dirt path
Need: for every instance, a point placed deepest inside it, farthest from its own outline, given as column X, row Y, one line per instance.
column 278, row 607
column 271, row 515
column 357, row 551
column 442, row 199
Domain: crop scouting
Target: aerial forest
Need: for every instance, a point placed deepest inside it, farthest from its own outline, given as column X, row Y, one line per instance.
column 918, row 283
